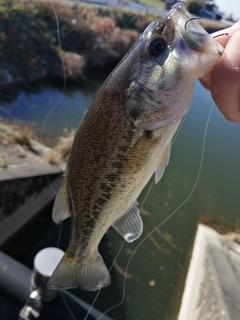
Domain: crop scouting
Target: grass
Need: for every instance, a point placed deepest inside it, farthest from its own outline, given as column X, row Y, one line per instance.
column 53, row 158
column 15, row 136
column 23, row 136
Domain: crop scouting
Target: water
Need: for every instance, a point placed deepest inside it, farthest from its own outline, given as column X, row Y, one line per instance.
column 158, row 268
column 50, row 111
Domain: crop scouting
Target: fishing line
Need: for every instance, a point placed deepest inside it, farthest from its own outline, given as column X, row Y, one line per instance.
column 163, row 222
column 115, row 259
column 64, row 73
column 150, row 188
column 169, row 217
column 64, row 83
column 66, row 304
column 59, row 235
column 140, row 208
column 64, row 300
column 186, row 115
column 97, row 295
column 174, row 139
column 44, row 123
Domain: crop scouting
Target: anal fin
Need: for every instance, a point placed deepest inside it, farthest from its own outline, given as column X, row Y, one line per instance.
column 164, row 159
column 60, row 207
column 130, row 225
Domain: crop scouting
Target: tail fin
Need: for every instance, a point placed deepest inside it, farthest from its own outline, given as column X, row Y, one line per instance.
column 87, row 276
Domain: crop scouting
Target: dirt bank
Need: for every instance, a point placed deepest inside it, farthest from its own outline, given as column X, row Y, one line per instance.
column 39, row 43
column 33, row 48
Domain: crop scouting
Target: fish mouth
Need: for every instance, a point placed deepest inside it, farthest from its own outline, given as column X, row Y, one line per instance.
column 192, row 43
column 190, row 35
column 184, row 21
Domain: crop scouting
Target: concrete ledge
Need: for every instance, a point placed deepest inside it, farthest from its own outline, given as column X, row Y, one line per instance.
column 19, row 209
column 212, row 290
column 29, row 170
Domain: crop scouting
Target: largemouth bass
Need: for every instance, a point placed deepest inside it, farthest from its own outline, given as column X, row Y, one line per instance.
column 126, row 137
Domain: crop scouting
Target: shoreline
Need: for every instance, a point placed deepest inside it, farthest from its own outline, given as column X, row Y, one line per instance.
column 106, row 32
column 21, row 149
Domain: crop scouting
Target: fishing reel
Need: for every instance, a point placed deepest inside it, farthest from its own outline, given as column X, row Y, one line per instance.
column 44, row 263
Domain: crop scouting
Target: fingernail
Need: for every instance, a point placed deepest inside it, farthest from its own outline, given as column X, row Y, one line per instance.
column 232, row 52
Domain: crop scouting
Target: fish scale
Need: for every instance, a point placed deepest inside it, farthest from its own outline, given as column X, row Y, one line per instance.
column 124, row 138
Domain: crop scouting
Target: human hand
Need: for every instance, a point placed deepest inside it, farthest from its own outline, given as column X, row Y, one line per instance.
column 224, row 80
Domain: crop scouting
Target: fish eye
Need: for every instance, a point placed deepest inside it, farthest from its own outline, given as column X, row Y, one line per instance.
column 156, row 46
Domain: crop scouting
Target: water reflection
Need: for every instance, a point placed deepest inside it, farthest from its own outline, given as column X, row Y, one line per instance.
column 50, row 110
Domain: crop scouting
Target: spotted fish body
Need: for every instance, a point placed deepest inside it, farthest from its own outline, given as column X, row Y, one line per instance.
column 126, row 137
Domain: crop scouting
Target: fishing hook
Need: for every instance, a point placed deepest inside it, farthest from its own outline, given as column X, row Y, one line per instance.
column 190, row 19
column 221, row 34
column 196, row 18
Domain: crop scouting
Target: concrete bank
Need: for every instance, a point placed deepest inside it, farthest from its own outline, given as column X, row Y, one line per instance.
column 25, row 193
column 212, row 290
column 27, row 184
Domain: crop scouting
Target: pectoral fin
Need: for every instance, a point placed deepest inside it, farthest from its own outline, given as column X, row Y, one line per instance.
column 130, row 225
column 60, row 207
column 164, row 159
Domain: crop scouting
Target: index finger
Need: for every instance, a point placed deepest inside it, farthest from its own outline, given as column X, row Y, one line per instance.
column 225, row 80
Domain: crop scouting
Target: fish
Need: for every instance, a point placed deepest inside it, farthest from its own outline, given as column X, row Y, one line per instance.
column 125, row 138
